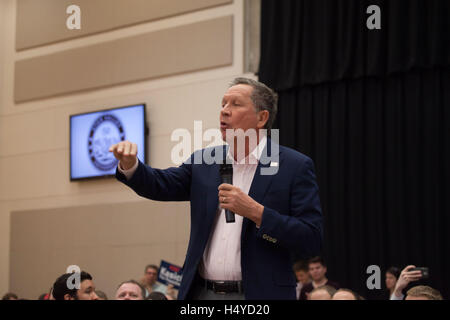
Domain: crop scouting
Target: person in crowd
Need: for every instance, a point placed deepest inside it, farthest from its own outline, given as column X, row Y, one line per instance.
column 62, row 291
column 346, row 294
column 317, row 270
column 10, row 296
column 101, row 295
column 406, row 276
column 392, row 275
column 149, row 280
column 423, row 293
column 130, row 290
column 302, row 276
column 322, row 293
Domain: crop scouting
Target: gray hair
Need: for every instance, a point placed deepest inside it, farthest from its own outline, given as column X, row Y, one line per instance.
column 262, row 97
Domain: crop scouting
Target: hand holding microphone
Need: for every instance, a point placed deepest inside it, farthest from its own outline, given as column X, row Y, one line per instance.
column 235, row 201
column 226, row 174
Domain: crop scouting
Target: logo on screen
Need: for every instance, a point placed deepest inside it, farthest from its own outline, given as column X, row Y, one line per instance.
column 105, row 131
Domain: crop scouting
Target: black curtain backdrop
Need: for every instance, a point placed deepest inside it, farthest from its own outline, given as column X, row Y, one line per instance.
column 372, row 109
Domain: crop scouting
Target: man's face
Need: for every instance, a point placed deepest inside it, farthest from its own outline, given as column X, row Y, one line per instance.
column 150, row 276
column 238, row 110
column 129, row 291
column 317, row 271
column 87, row 291
column 302, row 276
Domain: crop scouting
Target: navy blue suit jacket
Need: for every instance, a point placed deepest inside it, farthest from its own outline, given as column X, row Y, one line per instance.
column 291, row 222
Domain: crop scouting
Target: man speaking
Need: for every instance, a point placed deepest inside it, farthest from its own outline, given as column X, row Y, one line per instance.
column 248, row 257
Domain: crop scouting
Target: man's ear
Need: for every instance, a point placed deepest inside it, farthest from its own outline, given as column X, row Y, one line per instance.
column 263, row 117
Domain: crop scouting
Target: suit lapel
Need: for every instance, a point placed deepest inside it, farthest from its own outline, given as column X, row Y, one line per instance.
column 261, row 183
column 212, row 199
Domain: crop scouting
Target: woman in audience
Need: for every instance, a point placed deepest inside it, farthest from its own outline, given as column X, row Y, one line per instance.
column 392, row 275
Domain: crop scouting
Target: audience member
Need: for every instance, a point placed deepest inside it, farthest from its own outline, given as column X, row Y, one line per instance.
column 10, row 296
column 149, row 280
column 346, row 294
column 322, row 293
column 130, row 290
column 317, row 271
column 86, row 291
column 423, row 293
column 302, row 276
column 406, row 276
column 392, row 275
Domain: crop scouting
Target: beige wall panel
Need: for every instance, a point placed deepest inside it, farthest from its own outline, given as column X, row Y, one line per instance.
column 34, row 131
column 44, row 21
column 171, row 51
column 48, row 129
column 3, row 33
column 113, row 242
column 45, row 174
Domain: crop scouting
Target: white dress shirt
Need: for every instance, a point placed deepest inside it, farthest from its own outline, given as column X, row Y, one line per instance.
column 222, row 256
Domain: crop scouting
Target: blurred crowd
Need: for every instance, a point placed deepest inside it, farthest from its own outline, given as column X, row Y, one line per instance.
column 313, row 284
column 81, row 286
column 311, row 275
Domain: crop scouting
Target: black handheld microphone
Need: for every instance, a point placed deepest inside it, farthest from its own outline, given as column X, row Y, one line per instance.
column 226, row 174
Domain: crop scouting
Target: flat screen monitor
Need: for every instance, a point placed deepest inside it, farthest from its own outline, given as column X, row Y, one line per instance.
column 91, row 135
